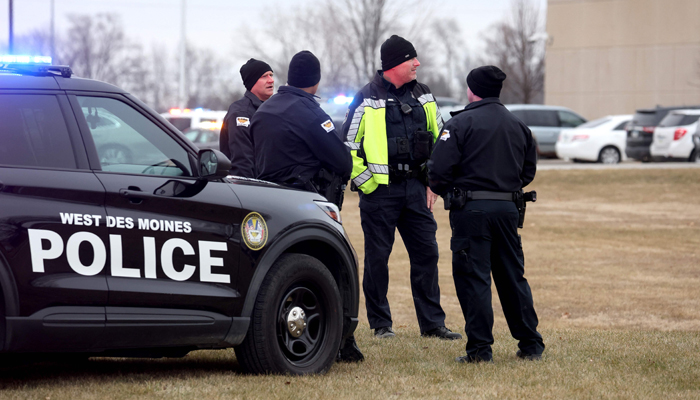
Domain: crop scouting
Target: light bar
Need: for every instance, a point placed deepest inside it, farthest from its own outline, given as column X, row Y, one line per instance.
column 13, row 59
column 342, row 99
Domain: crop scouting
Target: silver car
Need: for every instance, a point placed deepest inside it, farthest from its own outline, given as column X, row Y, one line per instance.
column 546, row 122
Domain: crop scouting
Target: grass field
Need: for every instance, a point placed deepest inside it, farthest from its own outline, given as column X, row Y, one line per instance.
column 613, row 259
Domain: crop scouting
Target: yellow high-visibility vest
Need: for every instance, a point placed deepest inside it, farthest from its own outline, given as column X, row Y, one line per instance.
column 367, row 131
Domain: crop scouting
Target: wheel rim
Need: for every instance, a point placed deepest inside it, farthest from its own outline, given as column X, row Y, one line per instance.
column 609, row 156
column 301, row 325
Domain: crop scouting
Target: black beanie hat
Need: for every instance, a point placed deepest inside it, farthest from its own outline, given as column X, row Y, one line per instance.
column 395, row 51
column 304, row 70
column 486, row 81
column 252, row 71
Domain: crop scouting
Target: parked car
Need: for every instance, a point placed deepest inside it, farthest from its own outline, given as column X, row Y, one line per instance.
column 197, row 118
column 159, row 253
column 640, row 131
column 546, row 123
column 203, row 138
column 602, row 140
column 673, row 138
column 447, row 105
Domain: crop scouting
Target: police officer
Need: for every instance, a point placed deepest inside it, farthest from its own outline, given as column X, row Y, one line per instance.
column 483, row 159
column 235, row 141
column 295, row 139
column 390, row 128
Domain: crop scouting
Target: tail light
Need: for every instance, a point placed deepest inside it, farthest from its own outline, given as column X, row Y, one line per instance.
column 648, row 129
column 679, row 133
column 579, row 137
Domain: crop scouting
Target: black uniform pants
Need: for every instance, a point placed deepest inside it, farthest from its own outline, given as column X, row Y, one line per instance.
column 485, row 241
column 403, row 206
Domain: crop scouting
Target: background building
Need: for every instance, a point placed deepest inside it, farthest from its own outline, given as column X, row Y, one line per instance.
column 615, row 56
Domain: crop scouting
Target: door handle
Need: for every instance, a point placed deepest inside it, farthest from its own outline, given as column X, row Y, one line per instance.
column 134, row 194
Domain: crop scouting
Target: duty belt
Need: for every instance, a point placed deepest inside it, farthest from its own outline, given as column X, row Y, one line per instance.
column 402, row 172
column 486, row 195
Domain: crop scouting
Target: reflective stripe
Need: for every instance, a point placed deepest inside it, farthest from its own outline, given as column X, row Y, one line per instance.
column 426, row 98
column 362, row 178
column 379, row 168
column 353, row 145
column 359, row 112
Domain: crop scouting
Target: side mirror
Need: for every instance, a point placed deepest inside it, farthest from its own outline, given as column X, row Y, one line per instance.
column 213, row 164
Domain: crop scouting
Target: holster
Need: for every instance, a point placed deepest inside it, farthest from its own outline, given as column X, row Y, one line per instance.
column 455, row 199
column 330, row 186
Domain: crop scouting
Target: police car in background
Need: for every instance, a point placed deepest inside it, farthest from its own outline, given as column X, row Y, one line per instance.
column 160, row 253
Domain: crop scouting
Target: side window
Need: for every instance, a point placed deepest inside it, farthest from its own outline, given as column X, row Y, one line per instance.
column 128, row 142
column 570, row 120
column 622, row 126
column 33, row 132
column 546, row 118
column 521, row 116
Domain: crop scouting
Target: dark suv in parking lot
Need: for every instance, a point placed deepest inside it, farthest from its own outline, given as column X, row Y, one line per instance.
column 640, row 131
column 157, row 253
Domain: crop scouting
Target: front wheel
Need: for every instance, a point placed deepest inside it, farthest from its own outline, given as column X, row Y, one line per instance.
column 609, row 155
column 297, row 323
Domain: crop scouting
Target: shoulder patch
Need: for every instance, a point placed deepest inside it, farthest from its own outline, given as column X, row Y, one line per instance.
column 445, row 135
column 328, row 126
column 242, row 121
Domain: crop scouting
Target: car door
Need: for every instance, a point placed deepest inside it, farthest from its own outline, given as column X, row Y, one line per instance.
column 544, row 125
column 53, row 235
column 173, row 236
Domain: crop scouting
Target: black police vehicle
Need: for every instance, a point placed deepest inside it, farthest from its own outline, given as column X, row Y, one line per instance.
column 157, row 253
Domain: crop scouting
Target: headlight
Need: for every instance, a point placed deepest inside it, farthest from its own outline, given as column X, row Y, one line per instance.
column 331, row 210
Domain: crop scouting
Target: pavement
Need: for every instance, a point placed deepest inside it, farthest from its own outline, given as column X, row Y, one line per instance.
column 558, row 164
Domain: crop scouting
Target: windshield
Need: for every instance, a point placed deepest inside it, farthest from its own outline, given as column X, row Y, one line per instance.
column 594, row 123
column 648, row 118
column 674, row 119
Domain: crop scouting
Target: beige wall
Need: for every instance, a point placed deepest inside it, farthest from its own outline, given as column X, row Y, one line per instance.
column 614, row 56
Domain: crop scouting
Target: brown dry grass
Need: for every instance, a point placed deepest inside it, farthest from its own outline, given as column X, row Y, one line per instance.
column 613, row 261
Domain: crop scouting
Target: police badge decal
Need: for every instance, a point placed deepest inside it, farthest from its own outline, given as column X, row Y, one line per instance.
column 254, row 230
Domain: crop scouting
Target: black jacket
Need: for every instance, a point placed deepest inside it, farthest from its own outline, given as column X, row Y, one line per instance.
column 483, row 147
column 295, row 138
column 235, row 140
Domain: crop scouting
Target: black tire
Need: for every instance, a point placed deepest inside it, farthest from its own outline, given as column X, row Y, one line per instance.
column 609, row 155
column 695, row 156
column 295, row 281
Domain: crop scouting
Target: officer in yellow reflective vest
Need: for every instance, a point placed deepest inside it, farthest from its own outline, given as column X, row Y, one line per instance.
column 391, row 127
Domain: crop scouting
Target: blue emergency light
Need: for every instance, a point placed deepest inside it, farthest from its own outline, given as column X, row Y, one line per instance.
column 13, row 59
column 342, row 99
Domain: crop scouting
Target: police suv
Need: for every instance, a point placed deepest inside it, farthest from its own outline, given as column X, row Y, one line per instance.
column 159, row 253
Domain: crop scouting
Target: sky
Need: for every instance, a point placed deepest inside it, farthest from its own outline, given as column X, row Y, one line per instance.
column 216, row 23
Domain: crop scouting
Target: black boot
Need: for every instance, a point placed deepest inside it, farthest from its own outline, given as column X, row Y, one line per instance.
column 349, row 352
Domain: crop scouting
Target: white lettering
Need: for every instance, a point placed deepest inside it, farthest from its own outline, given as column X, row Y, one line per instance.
column 154, row 225
column 188, row 227
column 178, row 226
column 78, row 219
column 170, row 226
column 97, row 219
column 129, row 223
column 120, row 222
column 73, row 253
column 149, row 257
column 116, row 263
column 36, row 248
column 206, row 261
column 111, row 221
column 67, row 218
column 143, row 224
column 166, row 259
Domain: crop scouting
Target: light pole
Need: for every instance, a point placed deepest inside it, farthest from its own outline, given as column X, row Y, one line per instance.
column 11, row 38
column 183, row 53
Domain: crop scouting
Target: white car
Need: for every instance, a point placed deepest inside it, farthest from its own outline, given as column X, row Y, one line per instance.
column 602, row 140
column 673, row 138
column 197, row 118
